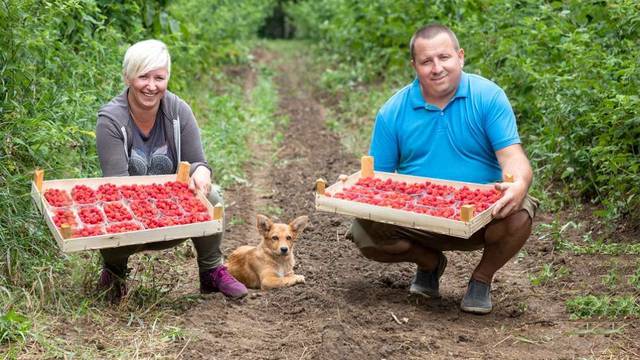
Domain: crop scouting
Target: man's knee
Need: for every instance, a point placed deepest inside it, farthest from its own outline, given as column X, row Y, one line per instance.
column 385, row 252
column 398, row 247
column 516, row 226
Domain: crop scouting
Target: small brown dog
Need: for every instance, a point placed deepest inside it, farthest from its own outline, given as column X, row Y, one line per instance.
column 270, row 264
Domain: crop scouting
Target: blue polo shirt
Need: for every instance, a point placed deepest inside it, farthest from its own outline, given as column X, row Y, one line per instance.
column 458, row 142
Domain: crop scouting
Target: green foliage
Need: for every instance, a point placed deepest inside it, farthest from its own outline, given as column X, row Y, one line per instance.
column 611, row 279
column 225, row 131
column 547, row 273
column 560, row 235
column 570, row 69
column 589, row 306
column 634, row 279
column 14, row 327
column 173, row 334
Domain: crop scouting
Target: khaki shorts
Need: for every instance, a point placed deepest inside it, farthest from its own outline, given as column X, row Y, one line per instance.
column 367, row 233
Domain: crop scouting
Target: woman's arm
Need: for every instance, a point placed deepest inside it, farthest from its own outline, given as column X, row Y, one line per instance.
column 110, row 147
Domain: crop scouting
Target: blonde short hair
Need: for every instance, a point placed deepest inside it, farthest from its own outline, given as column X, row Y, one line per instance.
column 143, row 57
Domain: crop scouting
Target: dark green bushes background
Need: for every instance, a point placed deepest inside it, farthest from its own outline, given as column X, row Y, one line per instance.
column 571, row 69
column 59, row 61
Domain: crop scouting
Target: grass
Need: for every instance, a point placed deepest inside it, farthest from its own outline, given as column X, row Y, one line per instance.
column 594, row 306
column 235, row 220
column 548, row 273
column 271, row 210
column 562, row 234
column 634, row 279
column 611, row 279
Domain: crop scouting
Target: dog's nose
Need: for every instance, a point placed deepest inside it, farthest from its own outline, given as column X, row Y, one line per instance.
column 284, row 249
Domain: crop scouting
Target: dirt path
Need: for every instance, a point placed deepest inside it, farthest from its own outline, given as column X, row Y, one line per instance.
column 347, row 308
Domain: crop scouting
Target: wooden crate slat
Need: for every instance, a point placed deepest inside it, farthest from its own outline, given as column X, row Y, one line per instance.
column 143, row 236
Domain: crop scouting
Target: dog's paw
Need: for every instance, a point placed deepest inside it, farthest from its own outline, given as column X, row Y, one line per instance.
column 298, row 279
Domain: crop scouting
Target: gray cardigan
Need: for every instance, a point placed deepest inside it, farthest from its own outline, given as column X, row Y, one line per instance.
column 114, row 134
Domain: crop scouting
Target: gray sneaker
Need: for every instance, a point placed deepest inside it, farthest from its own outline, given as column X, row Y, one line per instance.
column 427, row 283
column 477, row 300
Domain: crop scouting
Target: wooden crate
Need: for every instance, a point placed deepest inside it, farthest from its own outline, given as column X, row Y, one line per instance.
column 39, row 186
column 457, row 228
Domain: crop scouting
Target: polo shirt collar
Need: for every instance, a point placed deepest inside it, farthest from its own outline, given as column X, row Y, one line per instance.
column 417, row 101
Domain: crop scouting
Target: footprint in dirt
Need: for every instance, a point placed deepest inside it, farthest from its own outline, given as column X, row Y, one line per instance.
column 339, row 344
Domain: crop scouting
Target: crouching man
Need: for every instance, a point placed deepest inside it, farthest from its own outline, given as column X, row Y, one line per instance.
column 452, row 125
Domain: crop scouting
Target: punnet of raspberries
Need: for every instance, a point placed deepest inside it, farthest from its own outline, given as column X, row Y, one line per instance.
column 57, row 197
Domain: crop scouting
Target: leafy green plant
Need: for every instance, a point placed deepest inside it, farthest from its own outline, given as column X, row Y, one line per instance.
column 601, row 247
column 547, row 273
column 173, row 334
column 272, row 210
column 14, row 327
column 589, row 306
column 235, row 220
column 611, row 279
column 634, row 279
column 556, row 232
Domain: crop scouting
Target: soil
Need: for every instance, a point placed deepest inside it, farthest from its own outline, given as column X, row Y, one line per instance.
column 354, row 308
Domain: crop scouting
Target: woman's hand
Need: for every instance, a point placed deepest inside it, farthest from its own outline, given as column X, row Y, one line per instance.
column 201, row 180
column 512, row 196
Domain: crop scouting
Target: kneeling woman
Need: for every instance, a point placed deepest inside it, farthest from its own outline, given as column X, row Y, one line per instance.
column 147, row 130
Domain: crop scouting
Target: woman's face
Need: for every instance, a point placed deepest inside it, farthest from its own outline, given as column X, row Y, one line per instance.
column 146, row 90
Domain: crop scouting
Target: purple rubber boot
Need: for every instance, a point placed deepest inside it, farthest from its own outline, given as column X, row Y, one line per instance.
column 219, row 279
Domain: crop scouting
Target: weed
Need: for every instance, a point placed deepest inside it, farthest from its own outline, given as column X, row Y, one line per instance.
column 547, row 274
column 556, row 233
column 272, row 210
column 14, row 327
column 611, row 278
column 589, row 306
column 634, row 280
column 235, row 220
column 600, row 247
column 521, row 255
column 173, row 334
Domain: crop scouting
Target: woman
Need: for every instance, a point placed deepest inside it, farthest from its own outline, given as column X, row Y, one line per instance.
column 147, row 130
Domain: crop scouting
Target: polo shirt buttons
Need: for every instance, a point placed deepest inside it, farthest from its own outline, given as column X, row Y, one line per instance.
column 441, row 113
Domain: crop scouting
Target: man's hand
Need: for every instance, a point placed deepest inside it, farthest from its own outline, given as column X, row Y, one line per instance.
column 513, row 194
column 513, row 161
column 200, row 180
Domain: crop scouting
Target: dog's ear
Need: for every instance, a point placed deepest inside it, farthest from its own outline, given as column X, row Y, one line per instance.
column 299, row 223
column 264, row 224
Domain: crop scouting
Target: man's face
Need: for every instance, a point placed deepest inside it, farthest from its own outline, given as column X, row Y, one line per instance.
column 438, row 66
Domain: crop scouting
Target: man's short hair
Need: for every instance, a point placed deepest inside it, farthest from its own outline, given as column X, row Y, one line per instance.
column 145, row 56
column 429, row 32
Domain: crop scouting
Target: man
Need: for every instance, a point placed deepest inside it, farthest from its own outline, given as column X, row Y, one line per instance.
column 450, row 125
